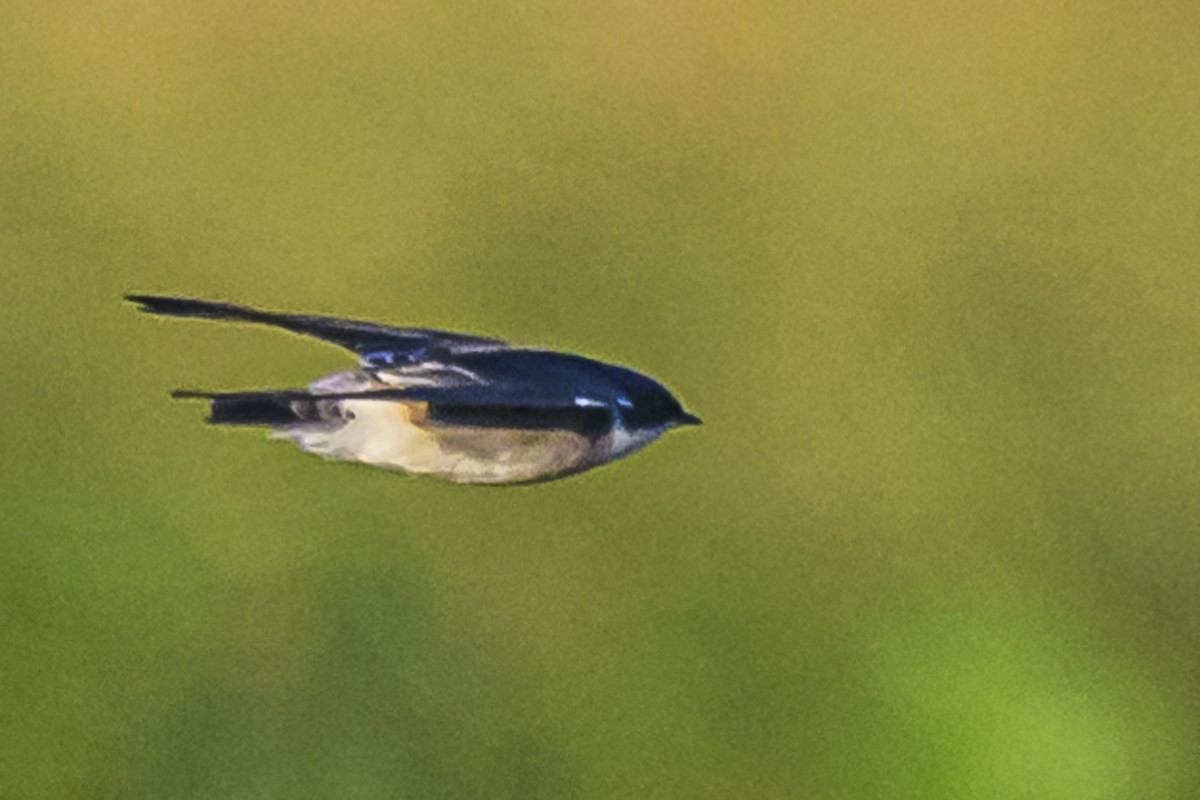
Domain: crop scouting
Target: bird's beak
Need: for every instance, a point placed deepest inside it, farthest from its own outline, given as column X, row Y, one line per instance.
column 688, row 419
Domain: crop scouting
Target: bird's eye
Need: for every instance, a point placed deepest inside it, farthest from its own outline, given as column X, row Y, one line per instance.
column 624, row 402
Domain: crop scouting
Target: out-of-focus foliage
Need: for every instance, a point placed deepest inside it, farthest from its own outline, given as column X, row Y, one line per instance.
column 929, row 273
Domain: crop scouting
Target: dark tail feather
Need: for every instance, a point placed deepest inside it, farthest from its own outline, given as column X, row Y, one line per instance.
column 280, row 407
column 272, row 409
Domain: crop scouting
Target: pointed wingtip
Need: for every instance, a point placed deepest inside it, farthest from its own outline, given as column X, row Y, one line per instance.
column 175, row 306
column 168, row 305
column 143, row 301
column 191, row 394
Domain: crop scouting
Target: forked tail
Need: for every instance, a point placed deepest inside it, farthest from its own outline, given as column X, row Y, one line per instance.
column 280, row 408
column 276, row 409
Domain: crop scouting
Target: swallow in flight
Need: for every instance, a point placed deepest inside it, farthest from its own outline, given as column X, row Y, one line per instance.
column 463, row 408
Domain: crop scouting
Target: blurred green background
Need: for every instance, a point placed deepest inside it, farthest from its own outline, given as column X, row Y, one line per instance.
column 928, row 272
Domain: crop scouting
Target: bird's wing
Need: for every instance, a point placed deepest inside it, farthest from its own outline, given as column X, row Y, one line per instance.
column 513, row 406
column 376, row 345
column 457, row 406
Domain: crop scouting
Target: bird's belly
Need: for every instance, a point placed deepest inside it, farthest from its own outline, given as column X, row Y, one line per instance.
column 397, row 436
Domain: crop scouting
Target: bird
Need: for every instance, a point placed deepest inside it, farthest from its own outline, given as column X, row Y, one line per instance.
column 457, row 407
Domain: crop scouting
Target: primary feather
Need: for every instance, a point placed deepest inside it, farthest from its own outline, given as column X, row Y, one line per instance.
column 370, row 340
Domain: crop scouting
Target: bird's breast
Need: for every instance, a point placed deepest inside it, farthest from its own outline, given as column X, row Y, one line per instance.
column 400, row 435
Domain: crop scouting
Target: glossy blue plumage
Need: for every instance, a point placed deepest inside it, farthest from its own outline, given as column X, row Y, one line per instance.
column 474, row 400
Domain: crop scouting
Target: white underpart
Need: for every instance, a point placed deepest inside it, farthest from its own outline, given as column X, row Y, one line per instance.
column 626, row 442
column 384, row 433
column 372, row 431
